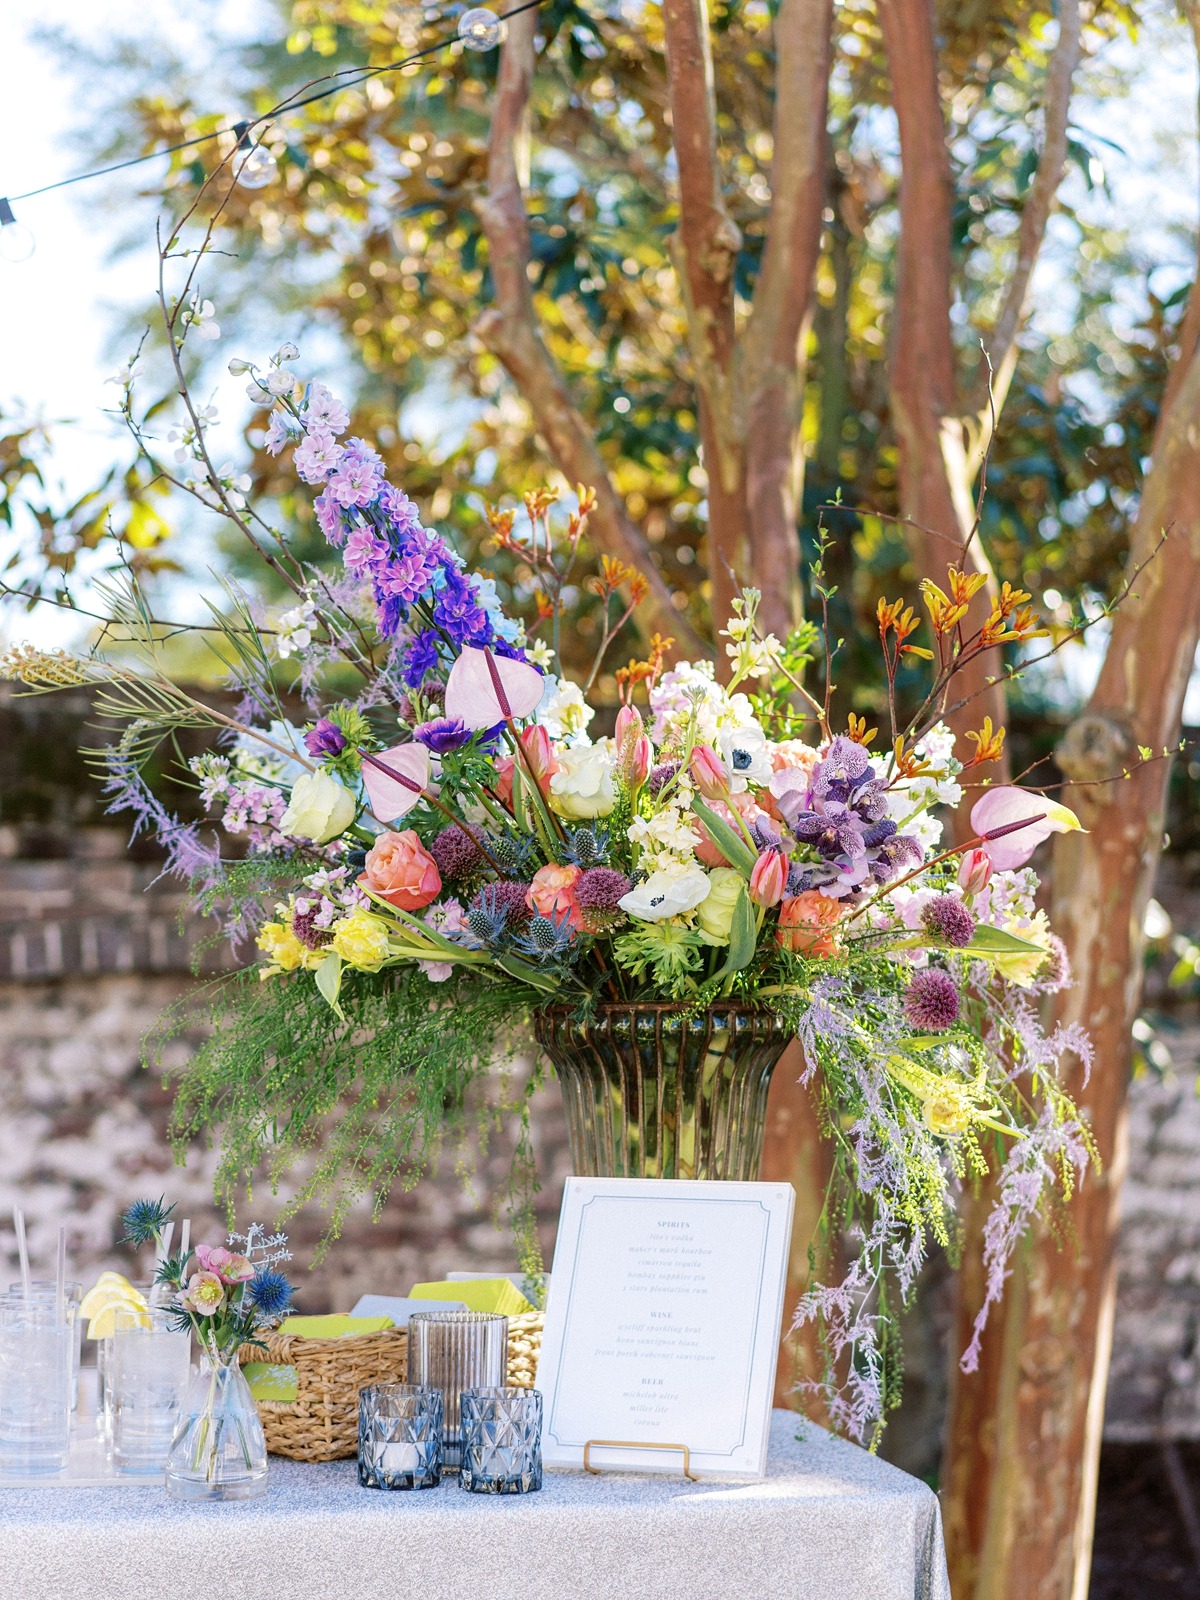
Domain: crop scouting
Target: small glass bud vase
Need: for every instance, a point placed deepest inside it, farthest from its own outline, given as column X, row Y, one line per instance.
column 218, row 1452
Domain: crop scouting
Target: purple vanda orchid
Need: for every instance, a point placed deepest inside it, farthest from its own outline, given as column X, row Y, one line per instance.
column 484, row 689
column 1031, row 817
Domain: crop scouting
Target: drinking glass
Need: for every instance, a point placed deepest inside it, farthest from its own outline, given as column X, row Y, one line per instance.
column 35, row 1385
column 453, row 1351
column 501, row 1441
column 104, row 1417
column 149, row 1369
column 399, row 1436
column 47, row 1289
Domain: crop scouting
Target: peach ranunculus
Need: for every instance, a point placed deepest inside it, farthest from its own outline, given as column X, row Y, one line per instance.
column 796, row 754
column 552, row 893
column 808, row 924
column 401, row 871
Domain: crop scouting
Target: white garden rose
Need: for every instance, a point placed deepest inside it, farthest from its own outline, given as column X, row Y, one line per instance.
column 582, row 788
column 563, row 712
column 666, row 894
column 319, row 808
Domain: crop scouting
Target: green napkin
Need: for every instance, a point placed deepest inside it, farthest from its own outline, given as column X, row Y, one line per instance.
column 333, row 1327
column 270, row 1382
column 477, row 1294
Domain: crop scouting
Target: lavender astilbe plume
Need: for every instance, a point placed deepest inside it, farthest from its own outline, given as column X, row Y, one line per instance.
column 188, row 856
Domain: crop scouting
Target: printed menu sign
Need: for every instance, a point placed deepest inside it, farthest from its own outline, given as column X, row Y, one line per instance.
column 663, row 1323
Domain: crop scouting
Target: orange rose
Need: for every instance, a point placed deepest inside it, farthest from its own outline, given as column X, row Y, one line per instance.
column 552, row 893
column 807, row 922
column 401, row 871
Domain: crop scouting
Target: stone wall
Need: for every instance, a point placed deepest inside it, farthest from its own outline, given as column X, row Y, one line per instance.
column 91, row 953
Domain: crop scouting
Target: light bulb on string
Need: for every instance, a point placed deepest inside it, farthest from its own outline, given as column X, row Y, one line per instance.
column 16, row 241
column 254, row 167
column 481, row 29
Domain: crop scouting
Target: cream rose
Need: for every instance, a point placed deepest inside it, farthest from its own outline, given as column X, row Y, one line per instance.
column 582, row 788
column 319, row 808
column 714, row 914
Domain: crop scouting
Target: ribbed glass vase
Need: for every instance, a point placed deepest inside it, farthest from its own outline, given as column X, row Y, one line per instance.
column 652, row 1094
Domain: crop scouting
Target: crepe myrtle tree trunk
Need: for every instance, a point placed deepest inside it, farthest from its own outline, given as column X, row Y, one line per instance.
column 1023, row 1529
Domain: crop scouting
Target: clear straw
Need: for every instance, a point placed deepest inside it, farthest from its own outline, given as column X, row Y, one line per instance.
column 60, row 1278
column 185, row 1239
column 164, row 1248
column 22, row 1251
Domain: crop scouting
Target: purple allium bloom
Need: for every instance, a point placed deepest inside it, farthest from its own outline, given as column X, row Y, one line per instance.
column 420, row 657
column 931, row 1003
column 660, row 777
column 306, row 927
column 317, row 456
column 456, row 853
column 600, row 889
column 444, row 733
column 325, row 739
column 948, row 919
column 329, row 518
column 356, row 481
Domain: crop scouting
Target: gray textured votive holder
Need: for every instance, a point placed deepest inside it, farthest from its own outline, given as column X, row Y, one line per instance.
column 453, row 1351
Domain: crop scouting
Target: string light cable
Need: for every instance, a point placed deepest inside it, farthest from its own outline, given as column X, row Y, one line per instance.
column 479, row 29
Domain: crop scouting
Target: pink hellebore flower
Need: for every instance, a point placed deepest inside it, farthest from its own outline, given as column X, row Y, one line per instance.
column 1012, row 823
column 395, row 779
column 484, row 689
column 230, row 1268
column 205, row 1294
column 708, row 773
column 974, row 871
column 769, row 878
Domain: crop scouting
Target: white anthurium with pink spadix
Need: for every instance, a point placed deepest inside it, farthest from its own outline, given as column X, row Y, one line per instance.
column 484, row 689
column 1013, row 822
column 395, row 779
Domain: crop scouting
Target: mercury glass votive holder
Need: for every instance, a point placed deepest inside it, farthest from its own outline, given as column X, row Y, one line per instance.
column 399, row 1436
column 453, row 1351
column 501, row 1441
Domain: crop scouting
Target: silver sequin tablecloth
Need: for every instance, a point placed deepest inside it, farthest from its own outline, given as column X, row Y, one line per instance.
column 829, row 1522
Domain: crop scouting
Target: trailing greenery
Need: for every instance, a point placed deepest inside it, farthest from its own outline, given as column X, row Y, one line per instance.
column 367, row 1098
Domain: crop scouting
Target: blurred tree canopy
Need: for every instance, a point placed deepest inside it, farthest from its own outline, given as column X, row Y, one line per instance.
column 372, row 231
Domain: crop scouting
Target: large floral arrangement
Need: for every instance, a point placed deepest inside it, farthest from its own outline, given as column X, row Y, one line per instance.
column 447, row 842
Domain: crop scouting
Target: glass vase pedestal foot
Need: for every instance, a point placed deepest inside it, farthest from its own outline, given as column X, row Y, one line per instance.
column 218, row 1452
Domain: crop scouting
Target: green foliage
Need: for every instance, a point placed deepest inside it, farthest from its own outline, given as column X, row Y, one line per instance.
column 350, row 1106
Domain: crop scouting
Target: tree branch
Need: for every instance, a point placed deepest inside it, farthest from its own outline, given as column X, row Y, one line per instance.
column 510, row 329
column 706, row 247
column 1035, row 215
column 774, row 358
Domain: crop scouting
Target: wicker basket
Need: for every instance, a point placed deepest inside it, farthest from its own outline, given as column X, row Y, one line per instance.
column 321, row 1423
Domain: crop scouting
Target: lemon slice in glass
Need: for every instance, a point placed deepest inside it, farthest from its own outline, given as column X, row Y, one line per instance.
column 104, row 1324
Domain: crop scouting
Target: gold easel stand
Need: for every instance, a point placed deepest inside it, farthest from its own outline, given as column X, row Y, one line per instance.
column 634, row 1444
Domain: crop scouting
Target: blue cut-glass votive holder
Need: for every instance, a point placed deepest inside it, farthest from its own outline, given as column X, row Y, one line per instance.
column 399, row 1436
column 501, row 1441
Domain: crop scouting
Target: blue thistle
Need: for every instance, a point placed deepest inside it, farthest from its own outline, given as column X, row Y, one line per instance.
column 588, row 847
column 546, row 940
column 270, row 1294
column 144, row 1221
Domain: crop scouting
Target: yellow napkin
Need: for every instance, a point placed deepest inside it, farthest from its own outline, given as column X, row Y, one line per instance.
column 477, row 1294
column 270, row 1382
column 333, row 1327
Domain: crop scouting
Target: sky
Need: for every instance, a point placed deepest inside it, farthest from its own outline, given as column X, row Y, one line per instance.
column 59, row 309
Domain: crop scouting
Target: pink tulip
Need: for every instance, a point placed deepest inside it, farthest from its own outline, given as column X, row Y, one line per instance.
column 974, row 870
column 629, row 721
column 634, row 752
column 769, row 878
column 395, row 779
column 484, row 689
column 708, row 773
column 1012, row 823
column 538, row 755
